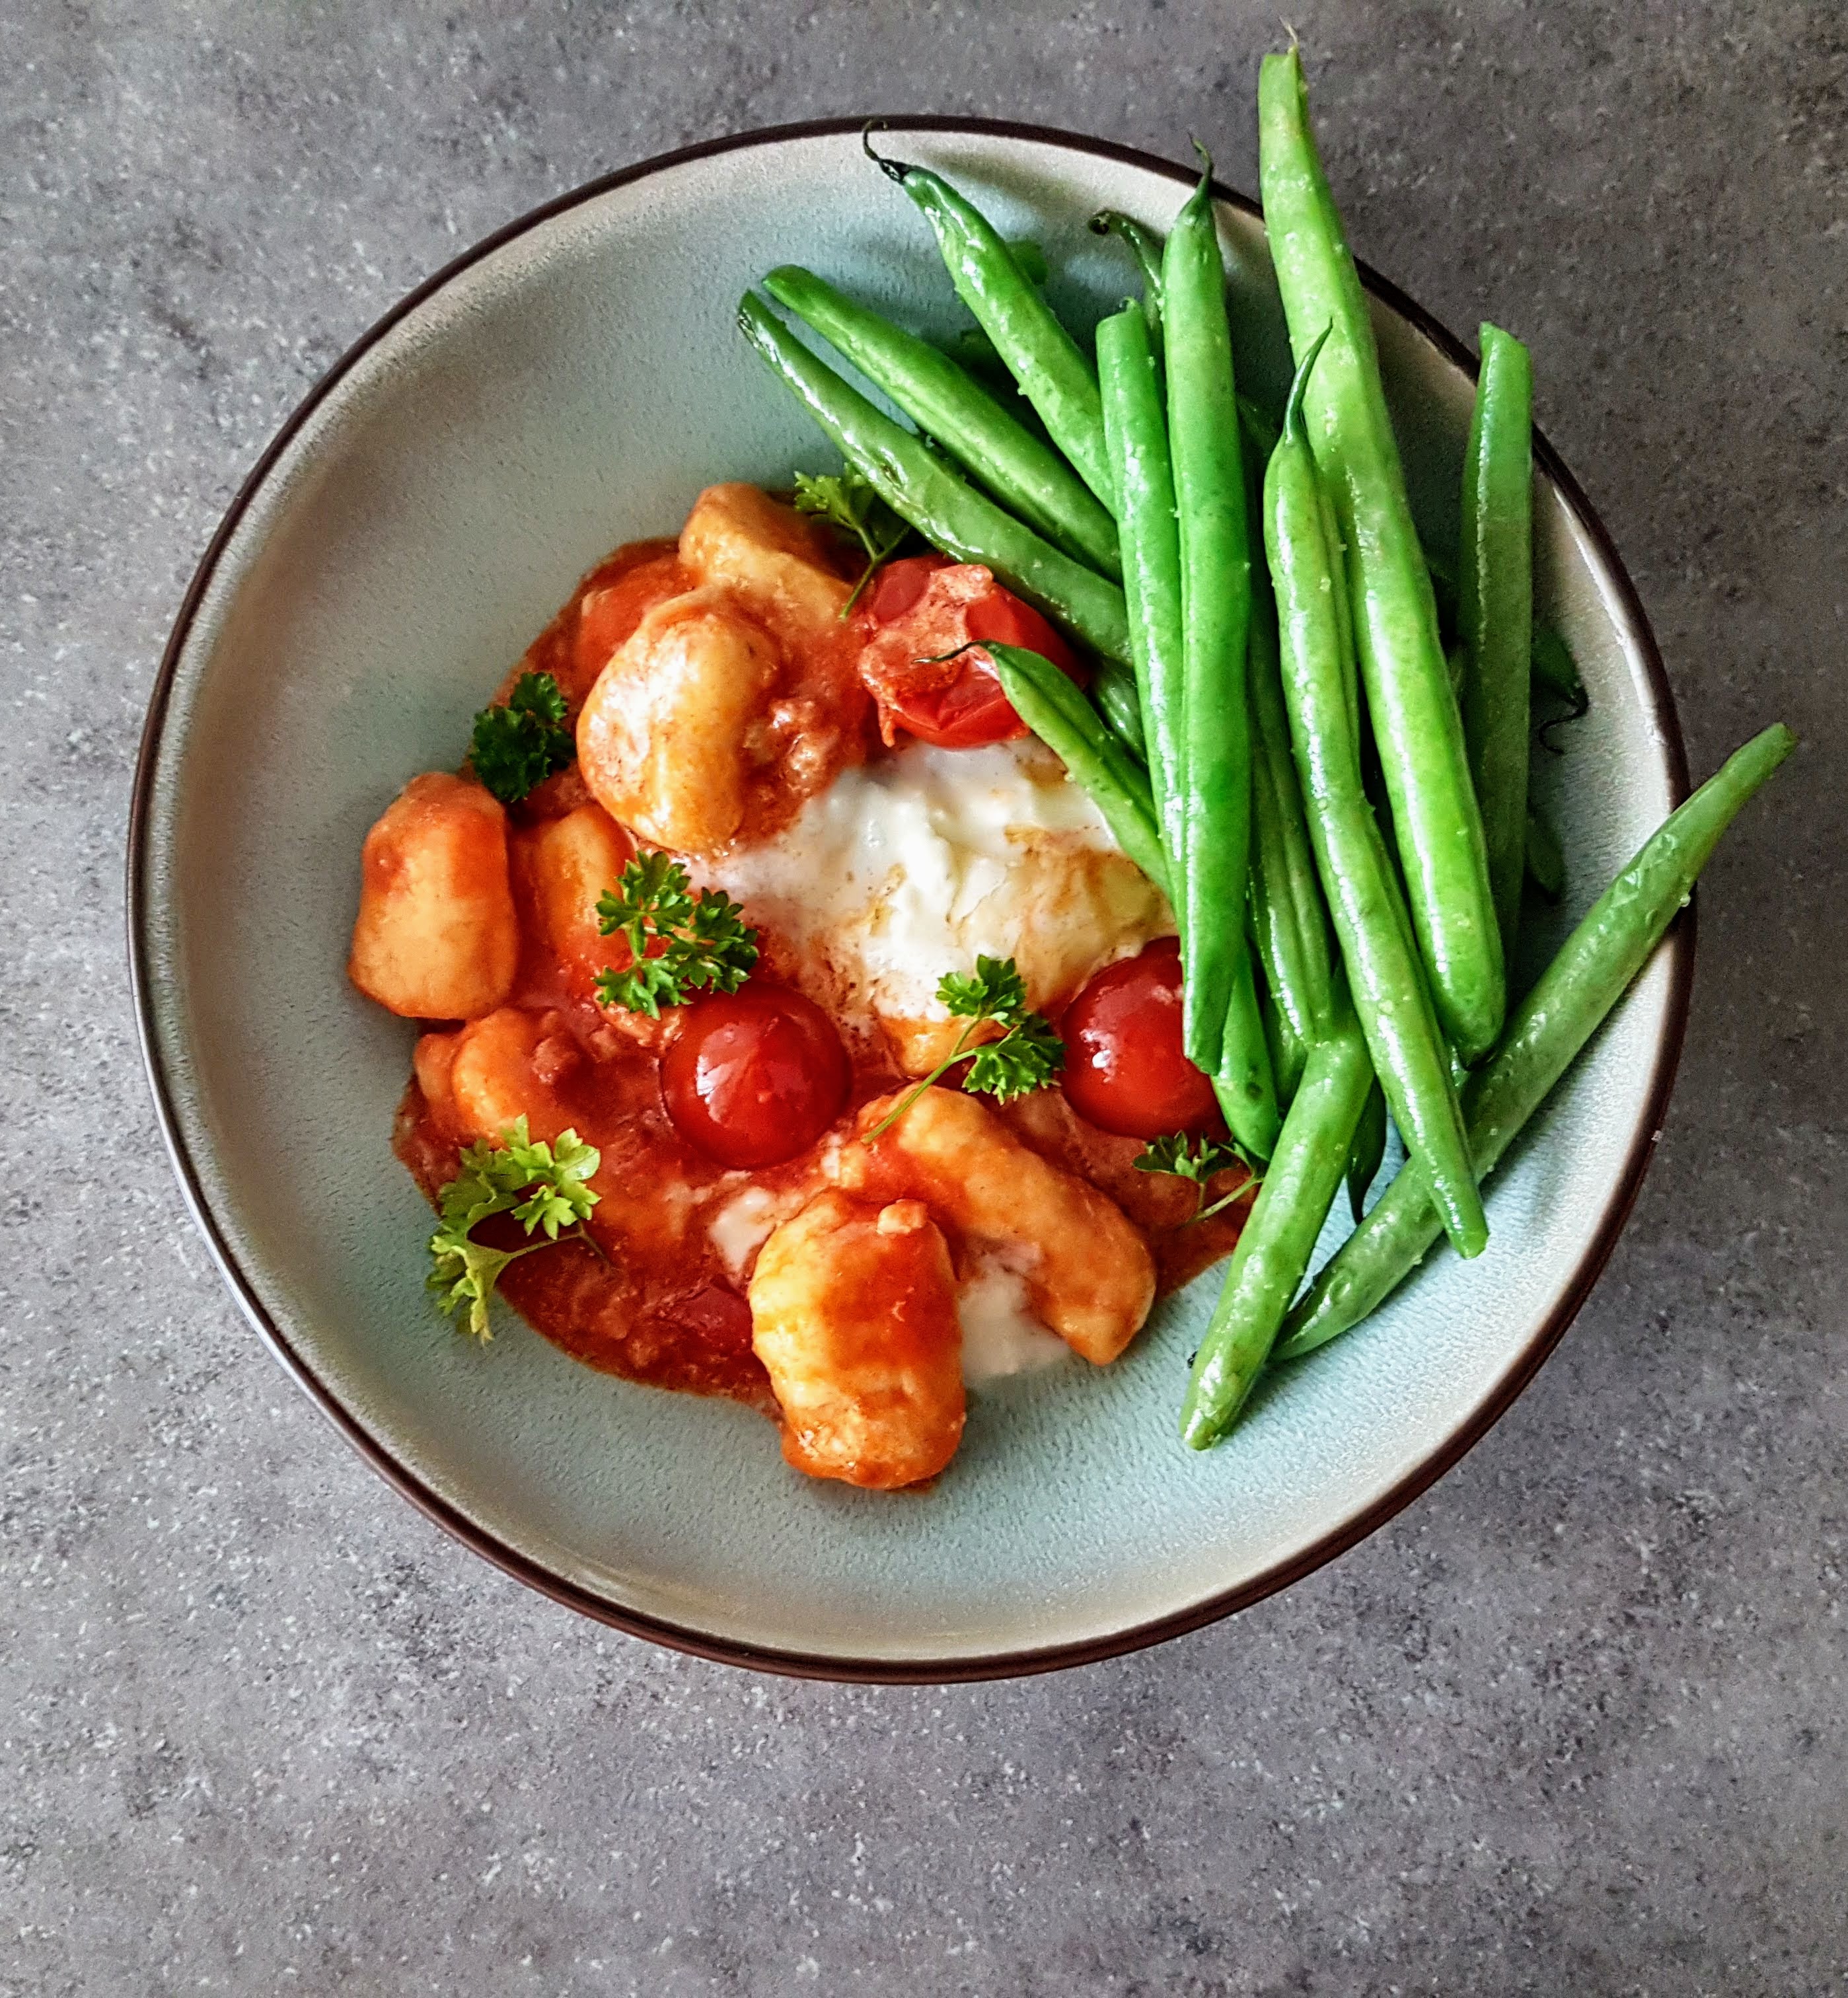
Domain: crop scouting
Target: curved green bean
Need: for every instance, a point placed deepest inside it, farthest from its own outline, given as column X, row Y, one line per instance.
column 1146, row 244
column 1408, row 1054
column 1044, row 357
column 1279, row 1233
column 1026, row 475
column 1137, row 433
column 1060, row 715
column 1495, row 611
column 1415, row 716
column 1591, row 972
column 919, row 487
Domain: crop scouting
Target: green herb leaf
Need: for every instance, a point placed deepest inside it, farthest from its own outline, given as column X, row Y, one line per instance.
column 996, row 992
column 517, row 746
column 543, row 1186
column 851, row 503
column 1198, row 1160
column 1025, row 1058
column 699, row 943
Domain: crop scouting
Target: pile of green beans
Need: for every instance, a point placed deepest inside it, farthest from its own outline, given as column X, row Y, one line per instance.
column 1338, row 809
column 1024, row 475
column 1408, row 1049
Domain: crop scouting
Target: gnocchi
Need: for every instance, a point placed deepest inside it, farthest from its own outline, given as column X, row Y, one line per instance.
column 436, row 936
column 853, row 1312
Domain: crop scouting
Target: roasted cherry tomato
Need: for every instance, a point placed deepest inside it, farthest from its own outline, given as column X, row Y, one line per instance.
column 752, row 1077
column 1124, row 1071
column 924, row 607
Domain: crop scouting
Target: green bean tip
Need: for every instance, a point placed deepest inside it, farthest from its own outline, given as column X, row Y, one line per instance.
column 894, row 170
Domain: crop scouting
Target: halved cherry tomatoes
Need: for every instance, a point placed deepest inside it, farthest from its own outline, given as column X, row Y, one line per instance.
column 752, row 1077
column 921, row 608
column 1125, row 1071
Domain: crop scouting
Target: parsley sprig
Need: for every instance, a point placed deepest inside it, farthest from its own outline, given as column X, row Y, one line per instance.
column 518, row 746
column 705, row 945
column 1198, row 1162
column 1025, row 1058
column 542, row 1186
column 850, row 503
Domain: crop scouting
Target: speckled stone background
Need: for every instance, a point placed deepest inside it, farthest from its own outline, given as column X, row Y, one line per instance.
column 1574, row 1723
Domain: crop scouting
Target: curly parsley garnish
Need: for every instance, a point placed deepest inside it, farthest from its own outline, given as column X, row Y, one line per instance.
column 1198, row 1162
column 542, row 1186
column 518, row 746
column 1025, row 1058
column 850, row 503
column 705, row 946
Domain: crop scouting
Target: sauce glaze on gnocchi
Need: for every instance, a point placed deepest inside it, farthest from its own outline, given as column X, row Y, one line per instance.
column 852, row 1292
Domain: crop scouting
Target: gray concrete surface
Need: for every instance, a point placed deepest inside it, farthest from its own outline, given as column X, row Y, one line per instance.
column 1575, row 1723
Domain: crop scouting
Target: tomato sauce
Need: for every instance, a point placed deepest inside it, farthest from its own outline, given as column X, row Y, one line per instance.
column 656, row 1300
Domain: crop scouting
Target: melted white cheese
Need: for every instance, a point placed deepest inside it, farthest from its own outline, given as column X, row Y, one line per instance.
column 1000, row 1336
column 744, row 1224
column 917, row 862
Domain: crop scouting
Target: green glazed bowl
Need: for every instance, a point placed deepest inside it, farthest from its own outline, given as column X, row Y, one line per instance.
column 571, row 384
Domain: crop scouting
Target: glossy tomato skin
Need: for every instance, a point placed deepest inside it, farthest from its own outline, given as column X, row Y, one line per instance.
column 1125, row 1071
column 924, row 607
column 753, row 1077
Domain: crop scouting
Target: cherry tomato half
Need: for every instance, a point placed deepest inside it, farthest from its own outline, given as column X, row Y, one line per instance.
column 1124, row 1071
column 924, row 607
column 752, row 1077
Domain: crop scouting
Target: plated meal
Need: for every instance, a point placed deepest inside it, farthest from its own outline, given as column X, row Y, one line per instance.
column 883, row 938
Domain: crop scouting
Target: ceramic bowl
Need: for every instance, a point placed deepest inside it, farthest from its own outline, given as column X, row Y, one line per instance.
column 570, row 384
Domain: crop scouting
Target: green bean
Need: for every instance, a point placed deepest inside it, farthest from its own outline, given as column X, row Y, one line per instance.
column 1059, row 715
column 1246, row 1086
column 1221, row 1032
column 1279, row 1233
column 1044, row 357
column 1402, row 1036
column 1260, row 427
column 1368, row 1152
column 1027, row 476
column 1545, row 862
column 1114, row 689
column 1274, row 933
column 1591, row 972
column 1137, row 432
column 918, row 487
column 1147, row 245
column 1289, row 923
column 1288, row 1055
column 1442, row 569
column 1415, row 715
column 1030, row 261
column 1555, row 671
column 1496, row 610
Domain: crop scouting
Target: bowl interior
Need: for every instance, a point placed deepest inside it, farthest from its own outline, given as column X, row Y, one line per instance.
column 573, row 388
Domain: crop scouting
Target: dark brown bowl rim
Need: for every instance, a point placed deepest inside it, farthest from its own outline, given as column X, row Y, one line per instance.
column 1679, row 945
